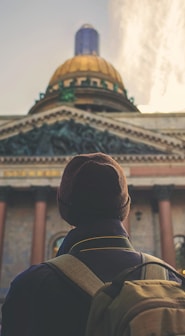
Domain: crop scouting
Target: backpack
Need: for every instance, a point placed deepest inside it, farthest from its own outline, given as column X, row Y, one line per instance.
column 151, row 306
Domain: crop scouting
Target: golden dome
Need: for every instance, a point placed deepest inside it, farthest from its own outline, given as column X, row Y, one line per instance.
column 86, row 81
column 91, row 65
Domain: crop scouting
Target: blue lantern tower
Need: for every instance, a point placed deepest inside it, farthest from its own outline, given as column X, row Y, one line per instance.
column 87, row 41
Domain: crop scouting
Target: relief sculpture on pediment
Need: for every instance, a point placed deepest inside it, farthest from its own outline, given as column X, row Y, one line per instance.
column 70, row 138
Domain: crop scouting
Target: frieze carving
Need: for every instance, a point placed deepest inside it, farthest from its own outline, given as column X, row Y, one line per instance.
column 31, row 173
column 70, row 138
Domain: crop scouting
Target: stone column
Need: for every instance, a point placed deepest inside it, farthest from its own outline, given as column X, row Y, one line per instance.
column 126, row 225
column 163, row 194
column 126, row 222
column 39, row 228
column 3, row 207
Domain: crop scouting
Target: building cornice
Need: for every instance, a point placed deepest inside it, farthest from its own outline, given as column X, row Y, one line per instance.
column 122, row 159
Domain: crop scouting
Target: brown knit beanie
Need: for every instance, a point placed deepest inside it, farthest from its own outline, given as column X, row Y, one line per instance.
column 93, row 186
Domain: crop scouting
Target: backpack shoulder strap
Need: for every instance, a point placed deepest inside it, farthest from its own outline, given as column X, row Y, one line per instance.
column 78, row 272
column 152, row 271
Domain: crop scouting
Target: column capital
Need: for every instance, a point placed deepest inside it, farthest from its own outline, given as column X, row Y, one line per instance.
column 130, row 190
column 41, row 193
column 4, row 193
column 163, row 192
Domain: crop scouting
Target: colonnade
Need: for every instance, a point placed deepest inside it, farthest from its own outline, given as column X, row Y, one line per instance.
column 162, row 193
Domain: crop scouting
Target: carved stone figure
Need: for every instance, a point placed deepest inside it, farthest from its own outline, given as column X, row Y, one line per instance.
column 69, row 138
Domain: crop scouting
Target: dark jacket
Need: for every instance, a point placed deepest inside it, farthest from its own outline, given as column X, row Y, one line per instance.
column 41, row 302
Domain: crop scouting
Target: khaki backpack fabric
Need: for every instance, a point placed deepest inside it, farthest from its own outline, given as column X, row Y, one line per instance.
column 151, row 306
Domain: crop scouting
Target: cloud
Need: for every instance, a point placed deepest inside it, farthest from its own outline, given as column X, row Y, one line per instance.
column 151, row 49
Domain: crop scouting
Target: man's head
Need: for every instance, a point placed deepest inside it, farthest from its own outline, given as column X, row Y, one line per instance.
column 93, row 186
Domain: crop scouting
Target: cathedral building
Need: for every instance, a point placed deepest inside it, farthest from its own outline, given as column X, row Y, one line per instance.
column 84, row 109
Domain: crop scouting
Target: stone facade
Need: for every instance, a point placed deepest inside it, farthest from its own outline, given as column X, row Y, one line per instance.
column 144, row 228
column 35, row 148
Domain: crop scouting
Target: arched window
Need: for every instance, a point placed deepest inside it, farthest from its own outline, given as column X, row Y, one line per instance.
column 56, row 244
column 179, row 242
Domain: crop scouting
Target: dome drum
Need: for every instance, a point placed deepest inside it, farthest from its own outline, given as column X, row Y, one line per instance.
column 102, row 100
column 96, row 99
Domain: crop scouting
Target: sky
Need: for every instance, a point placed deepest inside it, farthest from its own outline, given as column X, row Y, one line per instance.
column 144, row 40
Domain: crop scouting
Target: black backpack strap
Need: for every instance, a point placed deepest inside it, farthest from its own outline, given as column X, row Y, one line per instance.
column 78, row 272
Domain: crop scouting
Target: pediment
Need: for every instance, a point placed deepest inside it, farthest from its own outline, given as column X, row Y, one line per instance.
column 68, row 131
column 69, row 137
